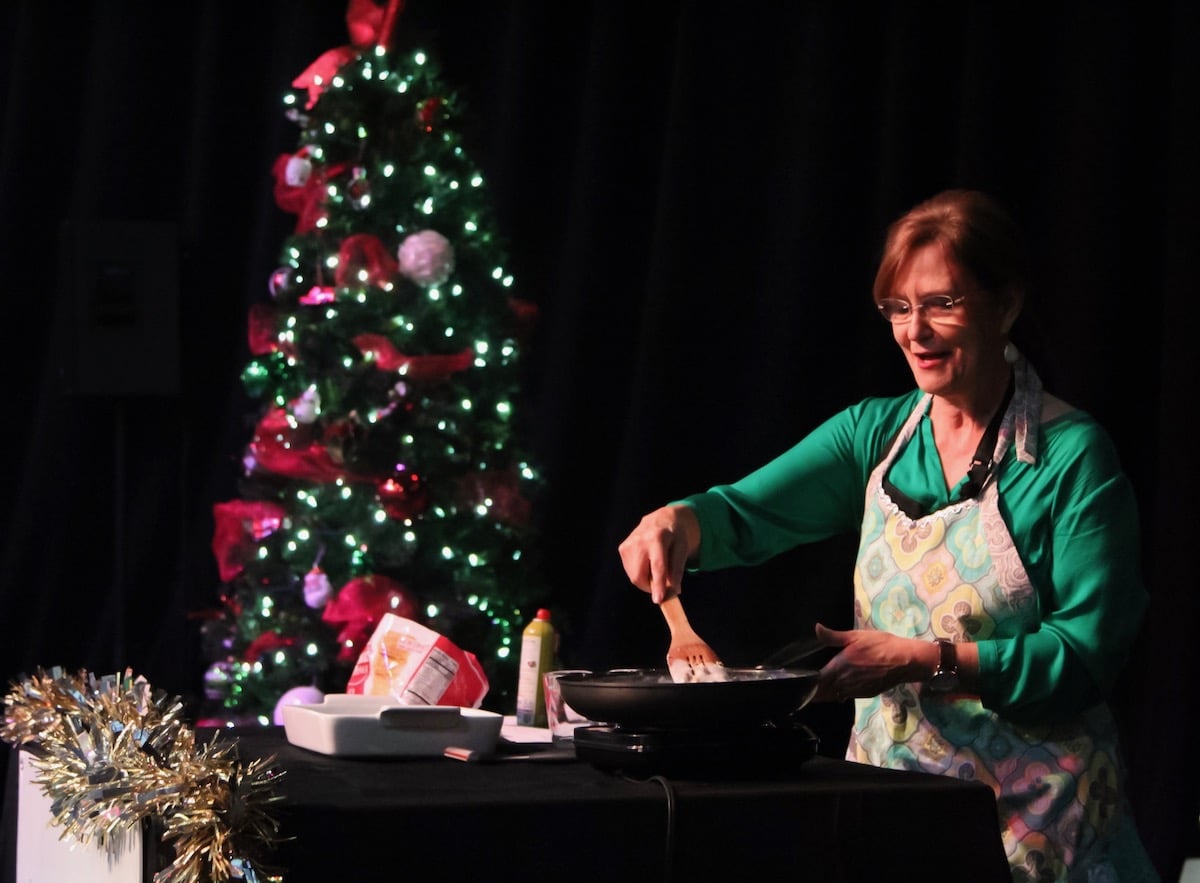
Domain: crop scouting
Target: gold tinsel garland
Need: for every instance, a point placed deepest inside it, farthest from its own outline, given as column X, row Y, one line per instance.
column 111, row 753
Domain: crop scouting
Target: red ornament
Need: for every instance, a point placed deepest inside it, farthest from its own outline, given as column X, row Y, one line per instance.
column 403, row 496
column 431, row 114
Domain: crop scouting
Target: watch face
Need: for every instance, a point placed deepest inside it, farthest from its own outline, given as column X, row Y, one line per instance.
column 943, row 681
column 945, row 678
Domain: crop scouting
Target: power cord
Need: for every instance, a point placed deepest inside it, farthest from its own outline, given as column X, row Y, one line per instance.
column 669, row 845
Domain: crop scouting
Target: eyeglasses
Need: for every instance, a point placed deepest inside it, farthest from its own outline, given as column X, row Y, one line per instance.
column 935, row 308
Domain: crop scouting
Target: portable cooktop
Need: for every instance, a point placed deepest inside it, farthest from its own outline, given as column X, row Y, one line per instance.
column 646, row 751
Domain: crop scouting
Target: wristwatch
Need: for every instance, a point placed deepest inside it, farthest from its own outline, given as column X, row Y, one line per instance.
column 945, row 676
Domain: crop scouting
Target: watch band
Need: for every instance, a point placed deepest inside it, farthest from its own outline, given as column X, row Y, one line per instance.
column 945, row 676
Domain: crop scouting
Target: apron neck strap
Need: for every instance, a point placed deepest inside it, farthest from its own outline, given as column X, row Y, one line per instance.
column 982, row 461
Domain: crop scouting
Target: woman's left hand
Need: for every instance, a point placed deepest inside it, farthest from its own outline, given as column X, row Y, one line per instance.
column 870, row 661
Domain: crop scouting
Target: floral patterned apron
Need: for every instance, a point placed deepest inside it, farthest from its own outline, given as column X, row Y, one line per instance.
column 955, row 574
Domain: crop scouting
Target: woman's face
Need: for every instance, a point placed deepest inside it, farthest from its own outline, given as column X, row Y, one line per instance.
column 956, row 354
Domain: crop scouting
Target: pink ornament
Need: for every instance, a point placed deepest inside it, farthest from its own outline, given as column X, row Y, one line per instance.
column 282, row 280
column 427, row 258
column 317, row 295
column 217, row 680
column 316, row 588
column 359, row 188
column 296, row 696
column 307, row 408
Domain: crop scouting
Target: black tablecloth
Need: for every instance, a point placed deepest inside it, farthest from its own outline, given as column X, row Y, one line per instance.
column 825, row 820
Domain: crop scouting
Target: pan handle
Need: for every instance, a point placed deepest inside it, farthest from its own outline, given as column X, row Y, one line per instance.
column 799, row 649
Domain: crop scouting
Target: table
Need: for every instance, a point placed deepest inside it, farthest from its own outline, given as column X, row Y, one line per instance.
column 827, row 820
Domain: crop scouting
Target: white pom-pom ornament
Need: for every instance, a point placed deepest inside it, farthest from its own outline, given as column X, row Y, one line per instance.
column 296, row 696
column 297, row 171
column 427, row 258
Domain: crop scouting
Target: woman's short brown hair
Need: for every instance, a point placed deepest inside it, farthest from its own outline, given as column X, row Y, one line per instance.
column 978, row 235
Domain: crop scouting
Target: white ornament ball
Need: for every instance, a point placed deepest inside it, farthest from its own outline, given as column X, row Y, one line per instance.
column 427, row 258
column 296, row 696
column 297, row 171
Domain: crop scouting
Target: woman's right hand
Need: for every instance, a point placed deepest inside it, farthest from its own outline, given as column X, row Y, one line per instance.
column 658, row 549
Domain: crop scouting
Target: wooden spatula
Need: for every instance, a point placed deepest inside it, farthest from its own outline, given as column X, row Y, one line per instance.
column 689, row 658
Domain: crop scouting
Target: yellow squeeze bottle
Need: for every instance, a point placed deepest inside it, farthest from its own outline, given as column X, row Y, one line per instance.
column 537, row 658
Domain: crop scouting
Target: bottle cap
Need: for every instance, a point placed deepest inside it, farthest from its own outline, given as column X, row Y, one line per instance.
column 543, row 614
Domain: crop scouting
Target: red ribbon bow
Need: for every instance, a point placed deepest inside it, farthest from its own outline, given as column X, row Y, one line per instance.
column 369, row 25
column 360, row 605
column 238, row 526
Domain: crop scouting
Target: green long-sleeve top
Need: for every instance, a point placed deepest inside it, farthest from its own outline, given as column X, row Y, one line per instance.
column 1071, row 514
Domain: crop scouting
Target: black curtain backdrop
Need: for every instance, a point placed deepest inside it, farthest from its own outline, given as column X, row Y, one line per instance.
column 695, row 195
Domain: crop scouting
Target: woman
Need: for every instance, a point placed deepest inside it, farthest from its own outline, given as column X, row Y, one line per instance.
column 997, row 589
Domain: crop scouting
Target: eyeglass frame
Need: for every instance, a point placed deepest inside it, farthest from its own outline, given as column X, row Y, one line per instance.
column 919, row 308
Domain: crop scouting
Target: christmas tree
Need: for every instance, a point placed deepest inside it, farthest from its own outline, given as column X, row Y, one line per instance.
column 384, row 474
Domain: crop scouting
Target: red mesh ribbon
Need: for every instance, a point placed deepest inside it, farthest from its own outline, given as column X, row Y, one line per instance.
column 261, row 332
column 238, row 525
column 292, row 451
column 321, row 71
column 526, row 312
column 364, row 21
column 503, row 489
column 308, row 200
column 368, row 25
column 362, row 254
column 264, row 644
column 433, row 367
column 388, row 24
column 360, row 605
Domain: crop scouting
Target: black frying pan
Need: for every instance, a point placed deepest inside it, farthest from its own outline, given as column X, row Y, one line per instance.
column 649, row 698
